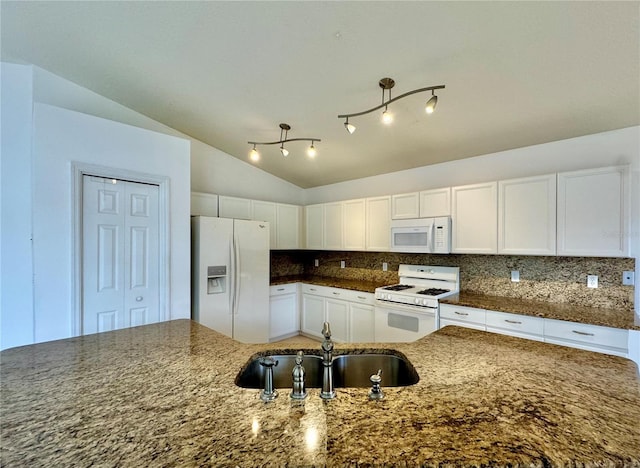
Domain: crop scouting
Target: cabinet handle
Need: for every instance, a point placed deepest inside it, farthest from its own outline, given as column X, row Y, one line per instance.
column 513, row 321
column 460, row 313
column 280, row 289
column 582, row 333
column 312, row 289
column 361, row 297
column 336, row 293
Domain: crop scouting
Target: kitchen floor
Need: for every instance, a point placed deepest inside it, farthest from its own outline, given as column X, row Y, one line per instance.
column 298, row 341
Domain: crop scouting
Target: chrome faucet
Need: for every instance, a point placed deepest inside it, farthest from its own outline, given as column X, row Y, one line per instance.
column 328, row 391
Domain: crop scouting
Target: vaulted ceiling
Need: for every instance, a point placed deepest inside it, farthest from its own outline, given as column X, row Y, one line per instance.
column 516, row 73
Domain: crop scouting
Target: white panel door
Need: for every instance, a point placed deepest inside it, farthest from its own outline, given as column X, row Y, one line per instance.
column 435, row 203
column 314, row 216
column 266, row 211
column 378, row 220
column 120, row 250
column 474, row 216
column 333, row 226
column 353, row 223
column 593, row 218
column 288, row 218
column 405, row 206
column 527, row 216
column 313, row 315
column 337, row 314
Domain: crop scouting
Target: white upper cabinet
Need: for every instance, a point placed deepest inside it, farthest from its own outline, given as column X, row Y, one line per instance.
column 474, row 215
column 232, row 207
column 593, row 212
column 527, row 216
column 353, row 224
column 333, row 226
column 378, row 224
column 288, row 222
column 405, row 206
column 314, row 222
column 204, row 204
column 435, row 203
column 266, row 211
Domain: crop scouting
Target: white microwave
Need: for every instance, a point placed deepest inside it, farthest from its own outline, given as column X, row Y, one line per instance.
column 421, row 235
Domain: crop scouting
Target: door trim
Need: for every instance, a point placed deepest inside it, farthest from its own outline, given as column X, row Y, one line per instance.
column 78, row 171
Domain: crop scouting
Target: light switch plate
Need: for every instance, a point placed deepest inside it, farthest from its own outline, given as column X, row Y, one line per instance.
column 342, row 264
column 628, row 278
column 385, row 266
column 592, row 281
column 316, row 262
column 515, row 276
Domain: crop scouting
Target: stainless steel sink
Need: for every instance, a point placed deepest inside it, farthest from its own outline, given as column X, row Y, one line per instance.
column 349, row 370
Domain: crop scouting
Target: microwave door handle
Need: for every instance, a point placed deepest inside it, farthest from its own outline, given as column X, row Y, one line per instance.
column 431, row 240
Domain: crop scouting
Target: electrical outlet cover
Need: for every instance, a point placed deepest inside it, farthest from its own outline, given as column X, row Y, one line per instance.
column 385, row 266
column 592, row 281
column 515, row 276
column 628, row 278
column 342, row 264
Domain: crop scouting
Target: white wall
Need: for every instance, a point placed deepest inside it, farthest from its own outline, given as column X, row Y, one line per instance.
column 212, row 170
column 16, row 272
column 62, row 137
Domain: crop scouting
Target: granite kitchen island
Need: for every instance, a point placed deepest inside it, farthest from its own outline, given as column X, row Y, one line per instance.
column 164, row 395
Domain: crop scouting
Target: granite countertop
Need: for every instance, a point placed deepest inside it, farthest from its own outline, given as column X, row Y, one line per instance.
column 164, row 395
column 353, row 284
column 616, row 318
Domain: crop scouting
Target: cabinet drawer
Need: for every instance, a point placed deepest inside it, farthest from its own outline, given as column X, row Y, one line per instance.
column 280, row 289
column 316, row 290
column 515, row 323
column 463, row 314
column 591, row 334
column 459, row 323
column 357, row 296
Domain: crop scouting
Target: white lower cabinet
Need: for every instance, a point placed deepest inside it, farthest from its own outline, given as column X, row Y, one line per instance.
column 350, row 313
column 283, row 311
column 561, row 332
column 522, row 326
column 590, row 337
column 468, row 317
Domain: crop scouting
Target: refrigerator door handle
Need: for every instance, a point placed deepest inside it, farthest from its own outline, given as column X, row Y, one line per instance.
column 231, row 276
column 236, row 275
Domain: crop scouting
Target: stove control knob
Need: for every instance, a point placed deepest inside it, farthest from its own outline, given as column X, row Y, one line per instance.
column 424, row 301
column 417, row 301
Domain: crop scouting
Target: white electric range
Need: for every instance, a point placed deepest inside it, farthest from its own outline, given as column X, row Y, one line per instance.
column 409, row 310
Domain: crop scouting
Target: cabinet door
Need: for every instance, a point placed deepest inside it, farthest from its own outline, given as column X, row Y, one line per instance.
column 527, row 216
column 204, row 204
column 288, row 221
column 266, row 211
column 378, row 224
column 333, row 226
column 353, row 224
column 337, row 314
column 474, row 217
column 284, row 315
column 592, row 213
column 232, row 207
column 314, row 216
column 405, row 206
column 313, row 315
column 361, row 323
column 435, row 203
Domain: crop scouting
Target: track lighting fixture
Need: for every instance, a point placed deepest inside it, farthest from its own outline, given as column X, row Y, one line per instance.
column 386, row 84
column 284, row 132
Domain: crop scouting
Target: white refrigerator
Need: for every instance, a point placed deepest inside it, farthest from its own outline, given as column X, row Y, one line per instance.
column 230, row 277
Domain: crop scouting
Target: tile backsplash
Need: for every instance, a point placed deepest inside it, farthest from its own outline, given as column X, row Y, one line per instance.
column 553, row 279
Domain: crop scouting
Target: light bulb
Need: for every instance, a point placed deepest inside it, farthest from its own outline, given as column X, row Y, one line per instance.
column 311, row 151
column 284, row 151
column 387, row 117
column 254, row 155
column 431, row 104
column 350, row 127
